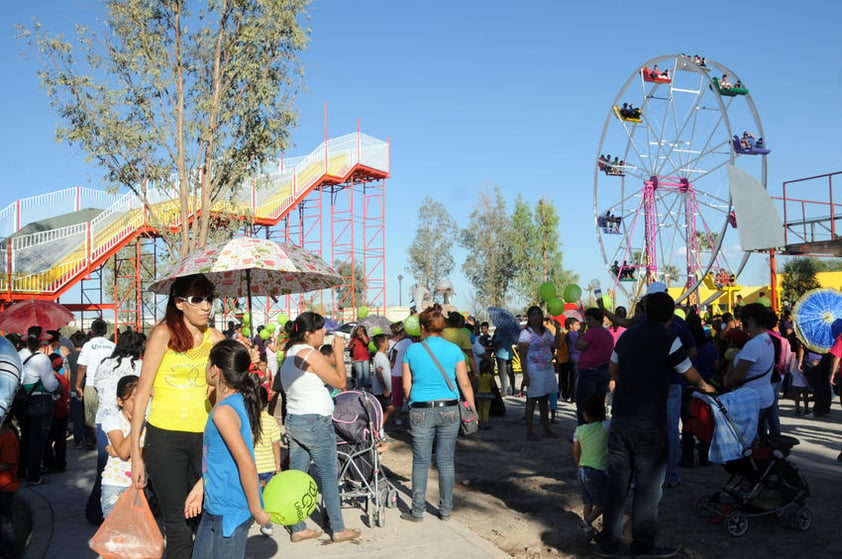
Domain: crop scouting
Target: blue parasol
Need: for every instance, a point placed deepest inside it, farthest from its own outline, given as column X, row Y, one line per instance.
column 507, row 327
column 817, row 318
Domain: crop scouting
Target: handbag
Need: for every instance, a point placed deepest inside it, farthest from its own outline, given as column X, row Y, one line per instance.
column 130, row 530
column 468, row 422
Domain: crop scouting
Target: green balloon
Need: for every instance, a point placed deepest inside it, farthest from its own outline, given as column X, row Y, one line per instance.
column 265, row 334
column 412, row 326
column 290, row 497
column 572, row 293
column 376, row 330
column 555, row 306
column 547, row 291
column 246, row 332
column 271, row 327
column 246, row 319
column 283, row 319
column 371, row 347
column 362, row 312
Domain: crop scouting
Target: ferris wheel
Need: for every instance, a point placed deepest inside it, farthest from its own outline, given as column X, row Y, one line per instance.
column 661, row 200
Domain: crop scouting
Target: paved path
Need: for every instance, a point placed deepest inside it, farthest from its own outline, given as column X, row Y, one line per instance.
column 60, row 528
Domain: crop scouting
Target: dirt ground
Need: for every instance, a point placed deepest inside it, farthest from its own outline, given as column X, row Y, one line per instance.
column 523, row 496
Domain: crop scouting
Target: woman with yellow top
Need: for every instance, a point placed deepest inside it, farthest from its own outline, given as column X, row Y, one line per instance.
column 173, row 375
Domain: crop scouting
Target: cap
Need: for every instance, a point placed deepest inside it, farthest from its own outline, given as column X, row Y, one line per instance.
column 656, row 287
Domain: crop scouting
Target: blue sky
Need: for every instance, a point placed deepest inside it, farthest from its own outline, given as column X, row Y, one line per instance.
column 481, row 94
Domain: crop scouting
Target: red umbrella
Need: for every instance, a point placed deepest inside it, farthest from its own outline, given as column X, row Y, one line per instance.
column 46, row 314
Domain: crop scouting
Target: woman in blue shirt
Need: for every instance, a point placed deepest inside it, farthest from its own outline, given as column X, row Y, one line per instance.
column 433, row 409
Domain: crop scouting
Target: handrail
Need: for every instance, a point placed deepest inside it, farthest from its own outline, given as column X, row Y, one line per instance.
column 36, row 267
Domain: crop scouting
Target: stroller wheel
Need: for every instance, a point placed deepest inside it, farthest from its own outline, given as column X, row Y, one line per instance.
column 388, row 497
column 804, row 518
column 703, row 508
column 737, row 523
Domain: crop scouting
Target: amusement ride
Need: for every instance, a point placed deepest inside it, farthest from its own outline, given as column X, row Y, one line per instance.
column 661, row 197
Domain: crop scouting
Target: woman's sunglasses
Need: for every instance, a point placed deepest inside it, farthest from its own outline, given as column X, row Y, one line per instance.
column 196, row 300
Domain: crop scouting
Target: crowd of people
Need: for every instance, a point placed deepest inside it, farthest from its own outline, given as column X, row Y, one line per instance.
column 185, row 411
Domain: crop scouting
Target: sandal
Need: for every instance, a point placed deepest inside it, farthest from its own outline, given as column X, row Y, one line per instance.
column 347, row 535
column 305, row 535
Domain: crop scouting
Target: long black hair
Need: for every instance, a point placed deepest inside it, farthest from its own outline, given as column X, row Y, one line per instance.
column 303, row 323
column 233, row 360
column 127, row 347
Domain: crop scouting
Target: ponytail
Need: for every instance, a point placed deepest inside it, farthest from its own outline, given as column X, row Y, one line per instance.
column 233, row 360
column 303, row 323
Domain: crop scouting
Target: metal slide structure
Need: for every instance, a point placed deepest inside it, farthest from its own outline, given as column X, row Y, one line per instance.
column 53, row 241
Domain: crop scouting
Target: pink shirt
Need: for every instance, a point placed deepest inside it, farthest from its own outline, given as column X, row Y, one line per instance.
column 836, row 349
column 600, row 345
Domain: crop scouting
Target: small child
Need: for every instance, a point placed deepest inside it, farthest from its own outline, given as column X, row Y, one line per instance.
column 229, row 492
column 55, row 455
column 9, row 484
column 267, row 450
column 117, row 475
column 381, row 379
column 590, row 452
column 484, row 393
column 572, row 325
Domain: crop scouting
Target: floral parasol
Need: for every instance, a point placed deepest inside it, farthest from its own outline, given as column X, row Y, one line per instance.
column 245, row 266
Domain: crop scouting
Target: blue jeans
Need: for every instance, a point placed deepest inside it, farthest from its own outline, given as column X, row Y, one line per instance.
column 673, row 433
column 211, row 544
column 772, row 422
column 77, row 416
column 362, row 376
column 110, row 494
column 425, row 425
column 636, row 449
column 311, row 437
column 590, row 381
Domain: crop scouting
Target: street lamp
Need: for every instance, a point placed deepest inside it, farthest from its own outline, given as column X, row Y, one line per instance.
column 400, row 291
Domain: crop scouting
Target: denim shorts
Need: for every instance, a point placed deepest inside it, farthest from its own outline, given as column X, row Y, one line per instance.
column 592, row 485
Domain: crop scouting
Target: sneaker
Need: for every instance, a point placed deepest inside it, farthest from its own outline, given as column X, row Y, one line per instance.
column 408, row 517
column 267, row 529
column 657, row 552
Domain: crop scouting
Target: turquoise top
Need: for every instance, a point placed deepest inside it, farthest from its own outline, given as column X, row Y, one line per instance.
column 224, row 494
column 427, row 381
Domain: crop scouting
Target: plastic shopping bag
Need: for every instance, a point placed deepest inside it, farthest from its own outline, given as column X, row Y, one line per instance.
column 130, row 531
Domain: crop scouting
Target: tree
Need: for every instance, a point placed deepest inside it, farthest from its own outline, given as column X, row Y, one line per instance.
column 430, row 254
column 358, row 278
column 489, row 261
column 193, row 99
column 537, row 249
column 799, row 277
column 705, row 242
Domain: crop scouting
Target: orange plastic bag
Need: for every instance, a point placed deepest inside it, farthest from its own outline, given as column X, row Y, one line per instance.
column 130, row 531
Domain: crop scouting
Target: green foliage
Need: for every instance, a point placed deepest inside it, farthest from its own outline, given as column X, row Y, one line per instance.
column 489, row 261
column 352, row 291
column 191, row 97
column 799, row 277
column 430, row 254
column 537, row 249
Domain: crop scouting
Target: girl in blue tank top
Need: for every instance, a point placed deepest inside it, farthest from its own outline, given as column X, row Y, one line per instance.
column 228, row 494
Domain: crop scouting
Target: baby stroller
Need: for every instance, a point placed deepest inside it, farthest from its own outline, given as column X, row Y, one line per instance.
column 358, row 422
column 762, row 481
